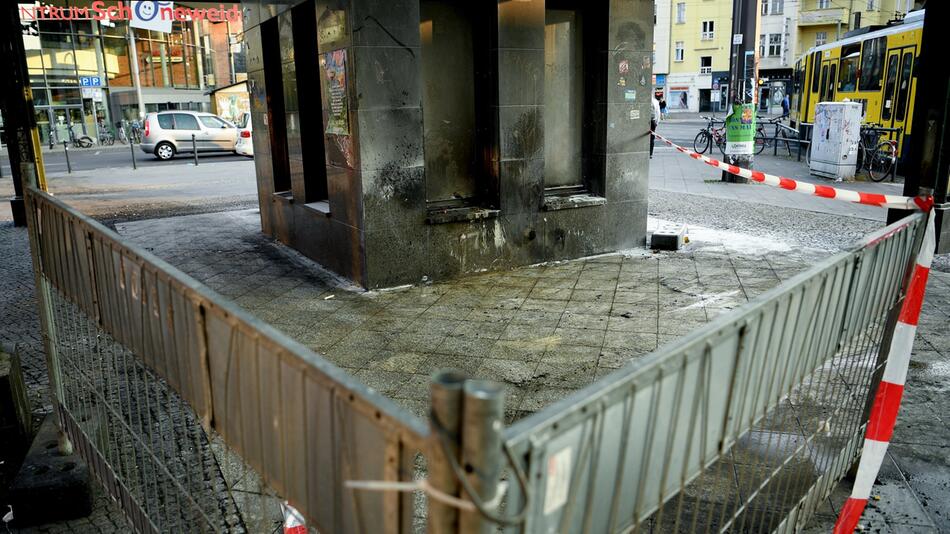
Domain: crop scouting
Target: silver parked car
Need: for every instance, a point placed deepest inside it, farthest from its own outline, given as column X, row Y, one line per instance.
column 167, row 133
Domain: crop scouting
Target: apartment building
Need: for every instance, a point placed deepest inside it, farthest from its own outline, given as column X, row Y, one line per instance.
column 824, row 21
column 700, row 41
column 661, row 45
column 777, row 51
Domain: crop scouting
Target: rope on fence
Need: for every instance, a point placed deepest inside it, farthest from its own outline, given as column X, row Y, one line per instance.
column 922, row 203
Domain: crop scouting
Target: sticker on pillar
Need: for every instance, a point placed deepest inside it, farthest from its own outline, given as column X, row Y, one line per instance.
column 634, row 114
column 646, row 62
column 630, row 95
column 623, row 67
column 559, row 480
column 622, row 82
column 334, row 66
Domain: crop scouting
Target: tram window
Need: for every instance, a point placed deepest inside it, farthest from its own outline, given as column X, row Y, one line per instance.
column 832, row 74
column 903, row 90
column 850, row 55
column 823, row 85
column 872, row 64
column 888, row 105
column 816, row 64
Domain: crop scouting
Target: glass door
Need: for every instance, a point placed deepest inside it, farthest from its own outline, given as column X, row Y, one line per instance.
column 59, row 120
column 43, row 126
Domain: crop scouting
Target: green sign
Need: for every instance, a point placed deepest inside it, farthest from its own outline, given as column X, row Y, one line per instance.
column 740, row 130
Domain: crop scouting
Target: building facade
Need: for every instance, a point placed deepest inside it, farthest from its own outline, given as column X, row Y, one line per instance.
column 408, row 140
column 81, row 70
column 777, row 44
column 700, row 42
column 824, row 21
column 661, row 45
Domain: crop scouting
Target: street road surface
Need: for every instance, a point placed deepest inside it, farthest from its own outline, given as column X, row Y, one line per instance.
column 115, row 156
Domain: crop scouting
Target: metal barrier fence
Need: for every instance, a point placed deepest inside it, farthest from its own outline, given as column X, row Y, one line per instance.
column 743, row 426
column 196, row 416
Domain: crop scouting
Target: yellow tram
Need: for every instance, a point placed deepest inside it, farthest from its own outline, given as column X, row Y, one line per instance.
column 875, row 68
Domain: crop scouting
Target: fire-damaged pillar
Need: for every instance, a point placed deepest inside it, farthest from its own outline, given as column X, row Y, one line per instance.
column 16, row 104
column 457, row 136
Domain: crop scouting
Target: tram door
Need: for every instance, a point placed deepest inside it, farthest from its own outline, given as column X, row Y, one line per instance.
column 895, row 112
column 829, row 80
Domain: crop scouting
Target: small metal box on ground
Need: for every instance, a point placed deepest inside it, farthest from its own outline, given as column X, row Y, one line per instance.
column 669, row 236
column 834, row 141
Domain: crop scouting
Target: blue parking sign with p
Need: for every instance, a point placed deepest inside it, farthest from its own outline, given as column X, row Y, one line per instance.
column 90, row 81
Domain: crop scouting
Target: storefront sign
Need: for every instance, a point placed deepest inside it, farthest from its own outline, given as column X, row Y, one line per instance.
column 94, row 93
column 740, row 130
column 334, row 66
column 148, row 16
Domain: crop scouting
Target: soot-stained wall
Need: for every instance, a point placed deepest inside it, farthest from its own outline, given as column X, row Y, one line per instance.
column 400, row 193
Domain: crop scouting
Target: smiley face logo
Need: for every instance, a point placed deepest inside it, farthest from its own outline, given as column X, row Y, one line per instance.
column 146, row 10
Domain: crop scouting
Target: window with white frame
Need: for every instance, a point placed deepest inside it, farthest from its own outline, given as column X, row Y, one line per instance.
column 778, row 6
column 705, row 65
column 765, row 7
column 681, row 12
column 821, row 38
column 872, row 5
column 709, row 30
column 824, row 4
column 775, row 44
column 761, row 45
column 678, row 51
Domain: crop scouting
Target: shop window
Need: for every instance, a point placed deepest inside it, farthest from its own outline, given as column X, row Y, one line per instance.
column 456, row 106
column 563, row 98
column 573, row 77
column 850, row 58
column 276, row 114
column 872, row 64
column 310, row 109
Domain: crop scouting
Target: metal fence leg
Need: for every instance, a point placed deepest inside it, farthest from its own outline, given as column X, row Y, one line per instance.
column 44, row 303
column 445, row 391
column 52, row 364
column 482, row 422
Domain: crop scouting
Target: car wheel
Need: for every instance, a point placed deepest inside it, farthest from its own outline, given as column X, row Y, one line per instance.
column 164, row 151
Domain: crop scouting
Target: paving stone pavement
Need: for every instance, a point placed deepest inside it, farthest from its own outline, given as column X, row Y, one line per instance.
column 544, row 331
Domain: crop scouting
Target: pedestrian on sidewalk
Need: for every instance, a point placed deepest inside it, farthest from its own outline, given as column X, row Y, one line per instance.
column 664, row 114
column 654, row 119
column 786, row 106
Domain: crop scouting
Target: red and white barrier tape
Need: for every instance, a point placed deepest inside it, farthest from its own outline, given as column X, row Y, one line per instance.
column 293, row 522
column 887, row 401
column 871, row 199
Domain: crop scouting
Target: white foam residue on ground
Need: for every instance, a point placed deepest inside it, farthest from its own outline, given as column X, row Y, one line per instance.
column 733, row 241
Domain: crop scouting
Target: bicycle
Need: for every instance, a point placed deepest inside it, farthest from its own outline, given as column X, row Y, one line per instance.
column 708, row 135
column 105, row 137
column 763, row 141
column 878, row 158
column 83, row 141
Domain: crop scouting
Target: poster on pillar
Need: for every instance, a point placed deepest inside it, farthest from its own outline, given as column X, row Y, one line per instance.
column 740, row 130
column 334, row 66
